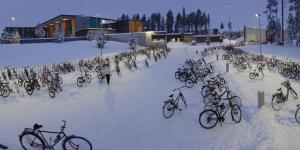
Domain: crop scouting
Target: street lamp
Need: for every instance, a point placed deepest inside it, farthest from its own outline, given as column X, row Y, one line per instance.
column 102, row 21
column 228, row 5
column 258, row 15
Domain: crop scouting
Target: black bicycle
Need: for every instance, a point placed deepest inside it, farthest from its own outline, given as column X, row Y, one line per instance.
column 34, row 139
column 278, row 99
column 256, row 73
column 86, row 78
column 210, row 117
column 172, row 104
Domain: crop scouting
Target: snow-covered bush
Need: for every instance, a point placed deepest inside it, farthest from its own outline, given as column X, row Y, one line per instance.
column 58, row 35
column 89, row 36
column 39, row 31
column 133, row 43
column 5, row 35
column 100, row 39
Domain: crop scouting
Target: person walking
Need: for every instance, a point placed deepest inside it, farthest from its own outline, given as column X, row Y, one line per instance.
column 107, row 71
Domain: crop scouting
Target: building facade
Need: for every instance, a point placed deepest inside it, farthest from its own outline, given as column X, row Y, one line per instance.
column 78, row 25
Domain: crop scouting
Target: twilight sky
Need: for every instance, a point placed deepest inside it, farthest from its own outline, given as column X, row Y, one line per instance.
column 31, row 12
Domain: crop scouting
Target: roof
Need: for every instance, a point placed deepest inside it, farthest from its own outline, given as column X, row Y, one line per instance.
column 72, row 16
column 216, row 35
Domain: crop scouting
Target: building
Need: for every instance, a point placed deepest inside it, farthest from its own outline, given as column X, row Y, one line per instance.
column 253, row 34
column 24, row 32
column 211, row 38
column 74, row 25
column 78, row 25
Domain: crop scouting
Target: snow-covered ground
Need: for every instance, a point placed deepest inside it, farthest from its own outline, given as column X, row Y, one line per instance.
column 127, row 115
column 20, row 55
column 292, row 53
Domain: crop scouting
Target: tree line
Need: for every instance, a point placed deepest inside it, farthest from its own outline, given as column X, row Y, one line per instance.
column 273, row 21
column 294, row 20
column 195, row 22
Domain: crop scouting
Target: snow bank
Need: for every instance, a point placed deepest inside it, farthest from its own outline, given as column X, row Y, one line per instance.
column 18, row 55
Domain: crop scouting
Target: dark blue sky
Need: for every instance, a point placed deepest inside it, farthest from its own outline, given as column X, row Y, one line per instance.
column 30, row 12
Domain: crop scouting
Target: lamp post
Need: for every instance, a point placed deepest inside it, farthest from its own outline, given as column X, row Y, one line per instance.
column 258, row 15
column 228, row 5
column 102, row 21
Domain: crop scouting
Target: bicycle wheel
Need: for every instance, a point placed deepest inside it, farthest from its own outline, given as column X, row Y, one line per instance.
column 5, row 91
column 183, row 76
column 20, row 82
column 297, row 115
column 100, row 78
column 240, row 68
column 31, row 141
column 51, row 93
column 88, row 78
column 252, row 76
column 29, row 89
column 236, row 113
column 76, row 143
column 277, row 102
column 168, row 109
column 208, row 119
column 177, row 74
column 189, row 83
column 79, row 81
column 205, row 90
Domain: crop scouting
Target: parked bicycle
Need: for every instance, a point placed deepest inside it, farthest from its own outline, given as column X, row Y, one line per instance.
column 256, row 73
column 33, row 138
column 210, row 117
column 86, row 78
column 279, row 98
column 172, row 104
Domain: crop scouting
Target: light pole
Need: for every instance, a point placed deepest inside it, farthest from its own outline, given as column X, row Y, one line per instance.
column 228, row 5
column 102, row 21
column 258, row 15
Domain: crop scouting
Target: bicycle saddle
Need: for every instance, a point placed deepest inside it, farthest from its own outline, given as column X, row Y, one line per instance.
column 171, row 95
column 279, row 89
column 37, row 126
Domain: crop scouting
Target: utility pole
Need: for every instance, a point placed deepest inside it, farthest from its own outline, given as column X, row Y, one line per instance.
column 282, row 21
column 228, row 5
column 258, row 15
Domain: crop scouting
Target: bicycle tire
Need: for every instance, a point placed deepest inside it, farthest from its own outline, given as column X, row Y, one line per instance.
column 88, row 78
column 42, row 144
column 5, row 91
column 168, row 108
column 297, row 115
column 277, row 102
column 51, row 92
column 189, row 83
column 70, row 140
column 252, row 76
column 236, row 113
column 211, row 115
column 79, row 81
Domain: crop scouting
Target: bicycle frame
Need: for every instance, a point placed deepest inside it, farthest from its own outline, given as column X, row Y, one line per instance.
column 40, row 133
column 222, row 113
